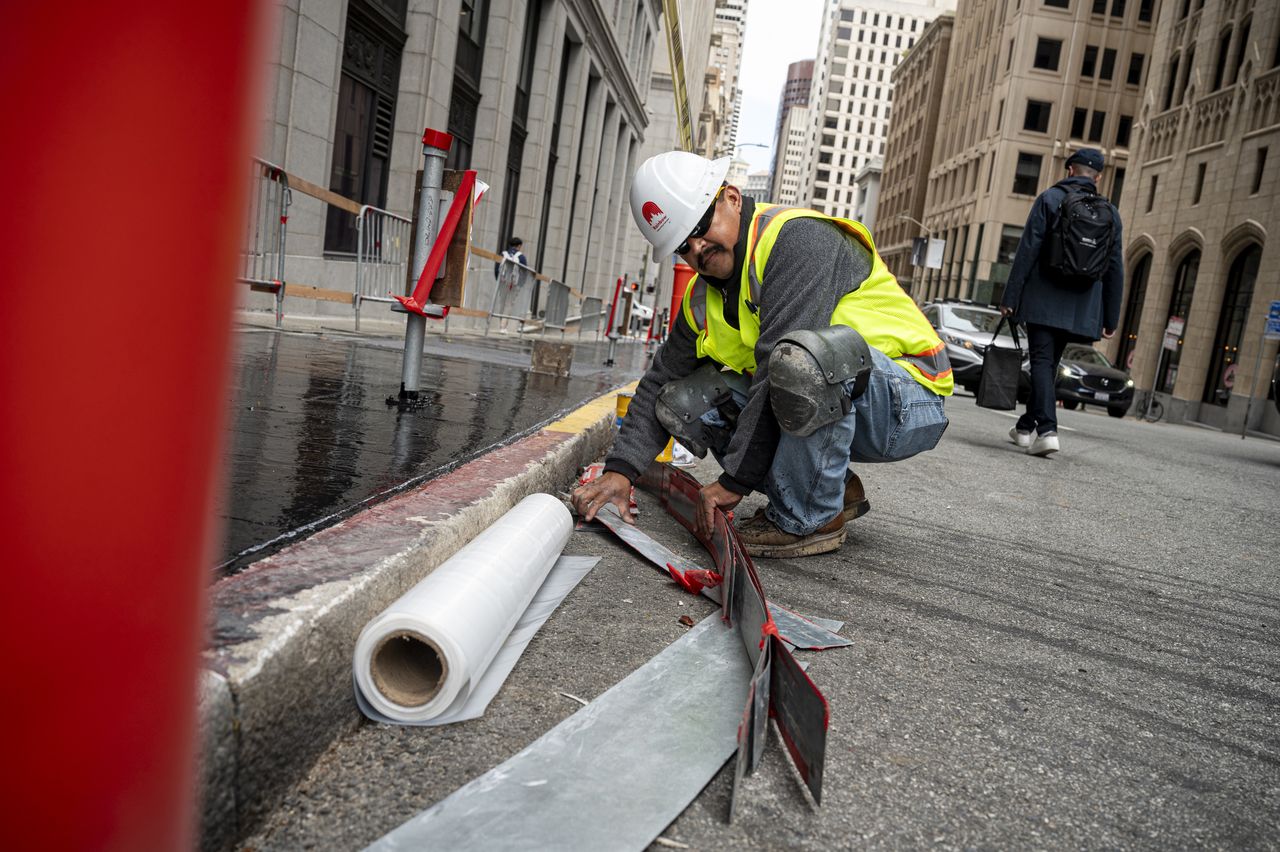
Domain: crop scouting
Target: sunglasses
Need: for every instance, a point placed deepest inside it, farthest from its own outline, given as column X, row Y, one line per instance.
column 704, row 224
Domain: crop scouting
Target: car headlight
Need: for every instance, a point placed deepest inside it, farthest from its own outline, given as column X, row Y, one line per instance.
column 1068, row 371
column 951, row 338
column 1129, row 383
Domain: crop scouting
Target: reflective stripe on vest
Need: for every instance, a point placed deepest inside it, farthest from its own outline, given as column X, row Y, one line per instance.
column 877, row 308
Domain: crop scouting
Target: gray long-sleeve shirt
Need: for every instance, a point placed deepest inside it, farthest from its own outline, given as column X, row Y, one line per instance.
column 812, row 266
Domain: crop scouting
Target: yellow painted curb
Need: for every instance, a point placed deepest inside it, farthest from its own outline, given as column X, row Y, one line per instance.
column 590, row 414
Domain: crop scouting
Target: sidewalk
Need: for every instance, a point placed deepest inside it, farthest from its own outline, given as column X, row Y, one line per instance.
column 339, row 503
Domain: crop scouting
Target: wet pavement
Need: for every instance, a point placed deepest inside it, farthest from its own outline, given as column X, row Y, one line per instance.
column 313, row 440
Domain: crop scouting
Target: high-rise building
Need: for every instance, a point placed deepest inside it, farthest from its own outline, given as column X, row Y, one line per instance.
column 866, row 185
column 1201, row 209
column 917, row 86
column 795, row 92
column 859, row 46
column 790, row 173
column 1027, row 83
column 728, row 31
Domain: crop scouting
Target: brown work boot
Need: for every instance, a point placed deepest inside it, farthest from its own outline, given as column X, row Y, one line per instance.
column 855, row 499
column 761, row 537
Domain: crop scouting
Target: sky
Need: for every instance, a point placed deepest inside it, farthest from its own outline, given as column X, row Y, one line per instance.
column 778, row 33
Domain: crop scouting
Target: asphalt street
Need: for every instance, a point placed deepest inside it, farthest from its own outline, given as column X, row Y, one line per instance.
column 1073, row 652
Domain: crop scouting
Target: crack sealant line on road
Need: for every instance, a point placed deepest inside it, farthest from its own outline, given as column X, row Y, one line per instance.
column 284, row 629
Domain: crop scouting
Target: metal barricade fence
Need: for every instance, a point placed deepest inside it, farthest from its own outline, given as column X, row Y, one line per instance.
column 262, row 261
column 511, row 292
column 591, row 317
column 382, row 257
column 556, row 314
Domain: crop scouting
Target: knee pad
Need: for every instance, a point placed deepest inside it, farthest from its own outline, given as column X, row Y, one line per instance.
column 807, row 372
column 682, row 403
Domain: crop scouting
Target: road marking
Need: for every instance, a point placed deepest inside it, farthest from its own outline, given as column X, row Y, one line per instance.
column 586, row 416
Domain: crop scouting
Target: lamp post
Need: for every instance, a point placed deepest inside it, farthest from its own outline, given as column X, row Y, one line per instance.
column 927, row 231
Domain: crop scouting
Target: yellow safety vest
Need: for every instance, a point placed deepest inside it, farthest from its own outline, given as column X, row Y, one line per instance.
column 879, row 310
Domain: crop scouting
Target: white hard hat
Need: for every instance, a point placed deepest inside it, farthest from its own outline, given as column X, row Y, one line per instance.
column 670, row 193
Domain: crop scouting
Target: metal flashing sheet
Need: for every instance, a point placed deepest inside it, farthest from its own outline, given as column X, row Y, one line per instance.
column 672, row 723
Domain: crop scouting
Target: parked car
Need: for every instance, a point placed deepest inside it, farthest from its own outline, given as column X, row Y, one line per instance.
column 1086, row 377
column 967, row 329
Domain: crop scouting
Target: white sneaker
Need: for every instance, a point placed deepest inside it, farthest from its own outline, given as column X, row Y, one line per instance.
column 1022, row 439
column 1044, row 444
column 680, row 457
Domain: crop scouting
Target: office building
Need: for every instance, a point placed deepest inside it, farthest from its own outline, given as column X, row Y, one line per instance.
column 795, row 92
column 1201, row 210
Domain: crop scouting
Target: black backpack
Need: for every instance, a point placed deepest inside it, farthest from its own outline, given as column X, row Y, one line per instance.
column 1078, row 245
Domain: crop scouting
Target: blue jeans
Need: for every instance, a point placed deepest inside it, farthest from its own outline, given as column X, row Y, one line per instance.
column 895, row 418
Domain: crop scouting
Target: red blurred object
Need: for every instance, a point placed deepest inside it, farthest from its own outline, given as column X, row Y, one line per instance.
column 125, row 202
column 683, row 275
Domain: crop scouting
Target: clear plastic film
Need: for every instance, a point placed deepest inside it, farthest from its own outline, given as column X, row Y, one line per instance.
column 422, row 658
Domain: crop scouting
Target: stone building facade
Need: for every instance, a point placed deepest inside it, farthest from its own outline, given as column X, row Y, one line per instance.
column 553, row 102
column 1027, row 83
column 917, row 85
column 1202, row 215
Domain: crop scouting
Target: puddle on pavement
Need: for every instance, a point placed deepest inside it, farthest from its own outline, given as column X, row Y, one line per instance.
column 313, row 440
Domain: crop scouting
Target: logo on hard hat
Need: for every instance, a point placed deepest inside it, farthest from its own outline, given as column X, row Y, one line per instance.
column 654, row 216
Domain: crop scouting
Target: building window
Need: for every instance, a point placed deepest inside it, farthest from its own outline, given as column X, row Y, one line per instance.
column 1107, row 71
column 1224, row 53
column 1078, row 119
column 1242, row 49
column 1008, row 62
column 1231, row 320
column 367, row 90
column 1027, row 175
column 464, row 102
column 1095, row 125
column 1133, row 312
column 1099, row 7
column 1259, row 166
column 1058, row 4
column 1136, row 61
column 843, row 33
column 1184, row 286
column 1151, row 193
column 1048, row 51
column 1117, row 186
column 1117, row 8
column 1037, row 117
column 1172, row 83
column 1090, row 61
column 1123, row 129
column 1000, row 114
column 1199, row 188
column 1145, row 8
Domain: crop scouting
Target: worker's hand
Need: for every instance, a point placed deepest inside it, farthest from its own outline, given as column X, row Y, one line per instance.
column 712, row 497
column 609, row 487
column 1108, row 333
column 1006, row 311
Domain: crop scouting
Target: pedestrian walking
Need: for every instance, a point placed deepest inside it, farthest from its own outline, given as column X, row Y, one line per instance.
column 1065, row 285
column 508, row 285
column 795, row 353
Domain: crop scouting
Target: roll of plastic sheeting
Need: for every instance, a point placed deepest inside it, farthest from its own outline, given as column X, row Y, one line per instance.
column 424, row 654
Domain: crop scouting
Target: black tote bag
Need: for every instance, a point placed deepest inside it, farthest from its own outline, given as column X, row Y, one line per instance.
column 1001, row 369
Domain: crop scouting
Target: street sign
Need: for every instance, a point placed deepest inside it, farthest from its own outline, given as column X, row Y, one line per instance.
column 934, row 258
column 1272, row 331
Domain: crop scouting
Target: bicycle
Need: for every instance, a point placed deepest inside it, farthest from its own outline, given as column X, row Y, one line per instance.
column 1154, row 410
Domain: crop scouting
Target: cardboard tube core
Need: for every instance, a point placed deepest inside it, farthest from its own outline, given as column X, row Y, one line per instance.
column 408, row 668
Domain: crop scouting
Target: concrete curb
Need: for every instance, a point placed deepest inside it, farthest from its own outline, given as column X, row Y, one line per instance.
column 277, row 687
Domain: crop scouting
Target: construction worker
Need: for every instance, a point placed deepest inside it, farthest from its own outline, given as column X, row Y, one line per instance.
column 796, row 352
